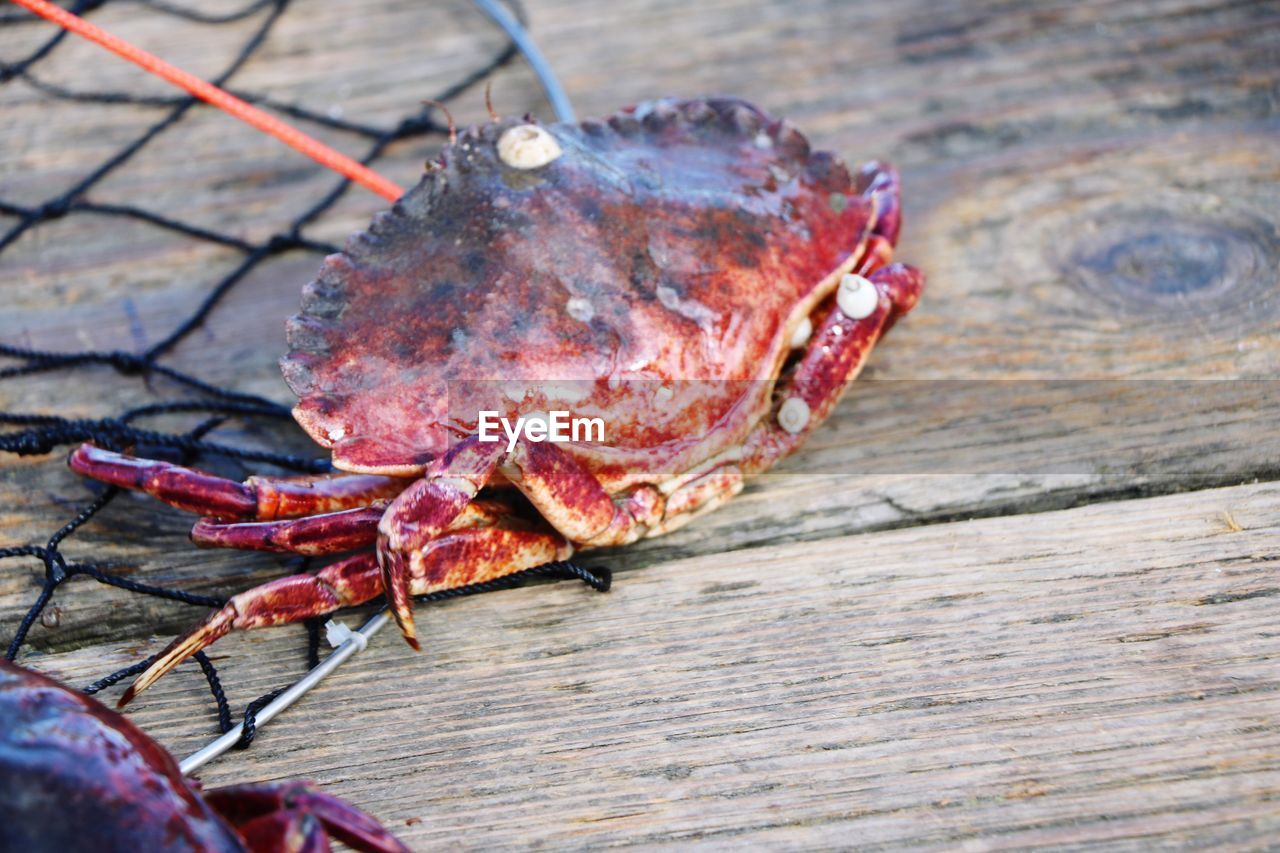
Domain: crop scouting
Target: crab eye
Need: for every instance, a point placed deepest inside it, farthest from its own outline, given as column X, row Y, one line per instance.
column 527, row 146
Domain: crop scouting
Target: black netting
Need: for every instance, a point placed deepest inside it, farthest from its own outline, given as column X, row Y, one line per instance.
column 46, row 432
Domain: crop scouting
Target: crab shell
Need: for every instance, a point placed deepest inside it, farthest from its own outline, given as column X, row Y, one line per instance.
column 675, row 245
column 75, row 775
column 72, row 770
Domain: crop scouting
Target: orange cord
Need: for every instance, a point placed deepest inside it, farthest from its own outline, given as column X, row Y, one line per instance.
column 251, row 115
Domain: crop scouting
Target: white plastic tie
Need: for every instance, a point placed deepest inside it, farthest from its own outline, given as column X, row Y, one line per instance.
column 338, row 633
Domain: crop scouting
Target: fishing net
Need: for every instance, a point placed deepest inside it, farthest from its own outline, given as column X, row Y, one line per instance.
column 210, row 404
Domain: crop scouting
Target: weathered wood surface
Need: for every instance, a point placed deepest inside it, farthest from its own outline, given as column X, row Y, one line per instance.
column 1107, row 672
column 1094, row 192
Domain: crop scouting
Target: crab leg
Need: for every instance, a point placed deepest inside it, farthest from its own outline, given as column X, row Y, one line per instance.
column 257, row 498
column 291, row 831
column 456, row 558
column 425, row 510
column 294, row 598
column 316, row 535
column 565, row 495
column 834, row 356
column 331, row 533
column 269, row 813
column 880, row 183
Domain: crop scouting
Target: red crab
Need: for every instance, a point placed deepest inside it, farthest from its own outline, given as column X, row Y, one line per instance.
column 697, row 243
column 75, row 775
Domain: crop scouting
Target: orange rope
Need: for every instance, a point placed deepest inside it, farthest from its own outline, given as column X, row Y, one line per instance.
column 251, row 115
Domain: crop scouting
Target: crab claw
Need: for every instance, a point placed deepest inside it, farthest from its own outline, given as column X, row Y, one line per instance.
column 295, row 816
column 395, row 581
column 432, row 505
column 217, row 626
column 880, row 182
column 903, row 285
column 294, row 598
column 285, row 831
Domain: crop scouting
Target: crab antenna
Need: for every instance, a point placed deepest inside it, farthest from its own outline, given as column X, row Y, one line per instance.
column 488, row 100
column 520, row 37
column 453, row 129
column 225, row 101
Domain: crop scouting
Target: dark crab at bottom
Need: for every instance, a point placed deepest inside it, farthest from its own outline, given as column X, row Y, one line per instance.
column 75, row 775
column 706, row 283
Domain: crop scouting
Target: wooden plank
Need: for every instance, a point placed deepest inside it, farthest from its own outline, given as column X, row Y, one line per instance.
column 1107, row 673
column 898, row 454
column 1091, row 189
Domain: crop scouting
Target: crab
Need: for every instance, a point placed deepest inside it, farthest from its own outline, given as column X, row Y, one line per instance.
column 75, row 775
column 687, row 270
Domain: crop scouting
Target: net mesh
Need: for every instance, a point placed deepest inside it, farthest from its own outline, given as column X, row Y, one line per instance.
column 212, row 404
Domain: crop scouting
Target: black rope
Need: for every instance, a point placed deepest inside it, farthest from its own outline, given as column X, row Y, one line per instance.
column 313, row 642
column 250, row 722
column 43, row 433
column 599, row 579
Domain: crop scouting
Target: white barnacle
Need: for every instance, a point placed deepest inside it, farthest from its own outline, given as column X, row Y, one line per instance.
column 337, row 434
column 527, row 146
column 857, row 297
column 580, row 309
column 793, row 415
column 803, row 332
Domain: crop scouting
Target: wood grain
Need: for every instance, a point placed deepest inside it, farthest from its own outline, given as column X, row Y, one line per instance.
column 1051, row 203
column 1102, row 673
column 1093, row 189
